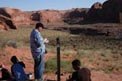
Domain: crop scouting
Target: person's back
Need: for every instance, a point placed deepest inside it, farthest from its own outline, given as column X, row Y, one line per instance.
column 80, row 74
column 18, row 72
column 84, row 74
column 5, row 74
column 17, row 69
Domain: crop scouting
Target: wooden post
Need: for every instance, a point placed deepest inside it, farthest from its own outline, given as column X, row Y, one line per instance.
column 120, row 15
column 58, row 59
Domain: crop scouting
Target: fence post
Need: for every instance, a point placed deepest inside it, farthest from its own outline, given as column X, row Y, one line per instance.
column 58, row 59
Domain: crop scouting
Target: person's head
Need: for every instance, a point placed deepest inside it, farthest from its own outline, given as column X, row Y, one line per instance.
column 76, row 64
column 14, row 59
column 39, row 26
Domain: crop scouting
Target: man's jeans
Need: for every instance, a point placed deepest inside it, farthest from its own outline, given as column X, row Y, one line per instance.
column 39, row 67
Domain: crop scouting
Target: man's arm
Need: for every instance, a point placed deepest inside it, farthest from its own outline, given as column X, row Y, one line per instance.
column 73, row 77
column 38, row 40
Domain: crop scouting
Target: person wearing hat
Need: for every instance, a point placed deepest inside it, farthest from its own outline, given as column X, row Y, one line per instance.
column 38, row 49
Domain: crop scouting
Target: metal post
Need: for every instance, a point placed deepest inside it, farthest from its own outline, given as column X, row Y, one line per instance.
column 58, row 59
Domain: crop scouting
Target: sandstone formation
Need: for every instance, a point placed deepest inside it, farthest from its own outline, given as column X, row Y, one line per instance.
column 51, row 16
column 3, row 26
column 111, row 11
column 95, row 13
column 75, row 16
column 19, row 17
column 108, row 12
column 6, row 23
column 47, row 16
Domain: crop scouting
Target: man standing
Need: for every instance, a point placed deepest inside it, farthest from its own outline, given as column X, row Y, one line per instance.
column 38, row 50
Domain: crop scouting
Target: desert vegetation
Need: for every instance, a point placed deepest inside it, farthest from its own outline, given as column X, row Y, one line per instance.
column 95, row 52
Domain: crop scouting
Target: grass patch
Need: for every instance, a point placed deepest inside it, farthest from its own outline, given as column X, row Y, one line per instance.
column 51, row 65
column 20, row 36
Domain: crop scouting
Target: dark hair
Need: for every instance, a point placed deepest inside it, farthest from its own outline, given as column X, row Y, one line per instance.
column 76, row 62
column 39, row 25
column 14, row 59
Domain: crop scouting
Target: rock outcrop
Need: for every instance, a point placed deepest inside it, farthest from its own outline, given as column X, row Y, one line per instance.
column 36, row 16
column 3, row 26
column 5, row 12
column 75, row 16
column 111, row 11
column 51, row 16
column 108, row 12
column 19, row 17
column 5, row 20
column 6, row 23
column 94, row 14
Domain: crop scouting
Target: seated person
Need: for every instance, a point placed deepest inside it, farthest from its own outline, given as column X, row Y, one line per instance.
column 80, row 74
column 17, row 70
column 5, row 74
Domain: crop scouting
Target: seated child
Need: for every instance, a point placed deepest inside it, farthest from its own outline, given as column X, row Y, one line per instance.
column 80, row 74
column 17, row 70
column 5, row 74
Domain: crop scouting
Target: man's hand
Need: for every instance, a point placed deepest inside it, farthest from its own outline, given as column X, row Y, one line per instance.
column 70, row 79
column 46, row 40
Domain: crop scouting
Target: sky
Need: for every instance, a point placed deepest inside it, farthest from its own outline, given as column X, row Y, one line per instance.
column 30, row 5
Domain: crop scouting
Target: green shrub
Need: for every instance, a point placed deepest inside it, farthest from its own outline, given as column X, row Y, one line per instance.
column 51, row 65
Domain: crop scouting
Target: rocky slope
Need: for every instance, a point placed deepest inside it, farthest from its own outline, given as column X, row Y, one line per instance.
column 108, row 12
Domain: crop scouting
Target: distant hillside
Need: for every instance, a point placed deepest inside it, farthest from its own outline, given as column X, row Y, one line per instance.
column 108, row 12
